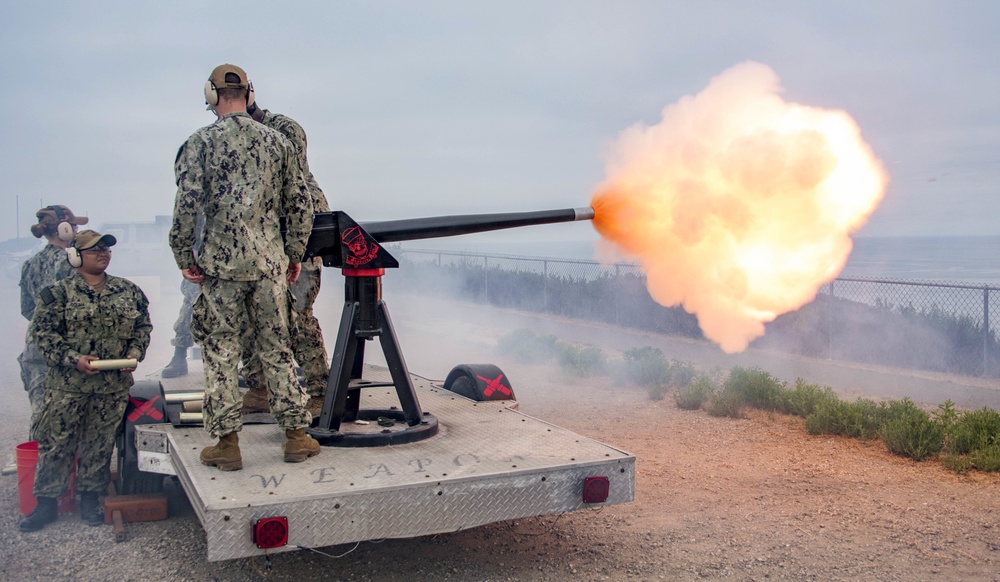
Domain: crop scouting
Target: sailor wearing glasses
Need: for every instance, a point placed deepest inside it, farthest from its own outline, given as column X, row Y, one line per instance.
column 88, row 316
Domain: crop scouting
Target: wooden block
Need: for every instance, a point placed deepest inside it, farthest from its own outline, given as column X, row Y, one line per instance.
column 139, row 507
column 116, row 517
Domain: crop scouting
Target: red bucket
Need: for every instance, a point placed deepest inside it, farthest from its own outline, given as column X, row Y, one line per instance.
column 27, row 459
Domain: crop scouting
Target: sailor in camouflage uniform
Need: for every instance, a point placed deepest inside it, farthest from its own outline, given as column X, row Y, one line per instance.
column 58, row 225
column 242, row 176
column 307, row 337
column 89, row 316
column 182, row 327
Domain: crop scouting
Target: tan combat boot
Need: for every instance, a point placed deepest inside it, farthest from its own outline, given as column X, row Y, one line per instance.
column 225, row 455
column 255, row 400
column 299, row 446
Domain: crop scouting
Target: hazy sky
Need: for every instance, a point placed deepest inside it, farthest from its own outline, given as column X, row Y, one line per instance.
column 427, row 108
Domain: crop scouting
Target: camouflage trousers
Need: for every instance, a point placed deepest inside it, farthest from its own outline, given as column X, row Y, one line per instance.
column 71, row 424
column 33, row 372
column 182, row 327
column 307, row 338
column 223, row 312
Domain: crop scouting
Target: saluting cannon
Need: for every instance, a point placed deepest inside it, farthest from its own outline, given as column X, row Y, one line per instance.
column 357, row 249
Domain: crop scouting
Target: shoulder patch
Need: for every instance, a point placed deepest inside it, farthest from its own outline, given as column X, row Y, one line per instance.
column 47, row 297
column 180, row 150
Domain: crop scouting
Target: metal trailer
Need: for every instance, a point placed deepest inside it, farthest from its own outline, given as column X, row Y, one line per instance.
column 391, row 467
column 487, row 462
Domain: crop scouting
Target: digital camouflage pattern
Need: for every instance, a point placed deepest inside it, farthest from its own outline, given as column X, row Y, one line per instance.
column 307, row 337
column 221, row 314
column 40, row 270
column 80, row 321
column 242, row 176
column 297, row 136
column 182, row 327
column 76, row 424
column 80, row 414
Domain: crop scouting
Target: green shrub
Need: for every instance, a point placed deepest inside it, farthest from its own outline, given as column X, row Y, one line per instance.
column 526, row 346
column 859, row 419
column 581, row 361
column 987, row 458
column 971, row 431
column 725, row 403
column 805, row 398
column 910, row 432
column 958, row 463
column 646, row 366
column 681, row 373
column 696, row 393
column 756, row 388
column 657, row 392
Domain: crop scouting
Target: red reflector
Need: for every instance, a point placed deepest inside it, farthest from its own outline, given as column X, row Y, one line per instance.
column 595, row 489
column 271, row 532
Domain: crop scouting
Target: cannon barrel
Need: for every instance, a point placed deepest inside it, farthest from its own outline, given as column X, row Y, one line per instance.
column 344, row 243
column 441, row 226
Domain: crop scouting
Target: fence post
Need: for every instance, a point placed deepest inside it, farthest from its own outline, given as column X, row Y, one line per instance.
column 616, row 290
column 829, row 324
column 545, row 286
column 486, row 278
column 986, row 330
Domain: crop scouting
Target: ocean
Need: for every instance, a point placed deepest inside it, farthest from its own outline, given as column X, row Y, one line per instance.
column 956, row 259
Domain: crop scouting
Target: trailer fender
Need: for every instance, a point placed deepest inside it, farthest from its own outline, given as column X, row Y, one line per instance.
column 479, row 382
column 145, row 406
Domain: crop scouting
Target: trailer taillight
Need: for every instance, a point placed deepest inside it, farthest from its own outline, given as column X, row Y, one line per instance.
column 595, row 489
column 270, row 532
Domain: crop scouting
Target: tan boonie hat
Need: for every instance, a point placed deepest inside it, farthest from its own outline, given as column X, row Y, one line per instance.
column 59, row 213
column 86, row 239
column 218, row 77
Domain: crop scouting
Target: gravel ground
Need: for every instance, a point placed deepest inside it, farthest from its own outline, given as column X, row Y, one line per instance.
column 748, row 499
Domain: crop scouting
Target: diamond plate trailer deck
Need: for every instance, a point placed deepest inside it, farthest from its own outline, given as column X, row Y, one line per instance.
column 487, row 463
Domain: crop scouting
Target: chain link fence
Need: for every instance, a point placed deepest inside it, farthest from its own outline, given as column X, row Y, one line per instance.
column 927, row 325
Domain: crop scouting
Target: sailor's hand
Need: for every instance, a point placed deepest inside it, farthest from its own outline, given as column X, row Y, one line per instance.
column 193, row 274
column 294, row 269
column 83, row 365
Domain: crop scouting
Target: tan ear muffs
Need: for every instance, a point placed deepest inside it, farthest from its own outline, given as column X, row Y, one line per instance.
column 65, row 231
column 73, row 256
column 212, row 95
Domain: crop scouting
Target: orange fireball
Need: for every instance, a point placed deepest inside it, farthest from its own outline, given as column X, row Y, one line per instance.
column 738, row 205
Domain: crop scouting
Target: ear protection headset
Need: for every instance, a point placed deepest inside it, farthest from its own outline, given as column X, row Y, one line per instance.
column 73, row 256
column 64, row 228
column 212, row 94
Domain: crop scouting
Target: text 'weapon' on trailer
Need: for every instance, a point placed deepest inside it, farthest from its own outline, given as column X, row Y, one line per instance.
column 357, row 249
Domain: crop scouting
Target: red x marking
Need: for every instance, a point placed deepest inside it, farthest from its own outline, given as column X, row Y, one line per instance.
column 144, row 409
column 494, row 385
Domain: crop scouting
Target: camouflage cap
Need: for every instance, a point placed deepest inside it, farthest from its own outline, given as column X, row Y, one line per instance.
column 89, row 238
column 59, row 213
column 218, row 77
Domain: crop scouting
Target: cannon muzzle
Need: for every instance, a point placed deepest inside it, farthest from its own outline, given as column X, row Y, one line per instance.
column 344, row 243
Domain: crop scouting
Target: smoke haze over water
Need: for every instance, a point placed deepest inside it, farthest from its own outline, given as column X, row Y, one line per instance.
column 738, row 204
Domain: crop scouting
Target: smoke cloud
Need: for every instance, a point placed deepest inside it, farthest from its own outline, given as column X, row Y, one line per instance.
column 738, row 205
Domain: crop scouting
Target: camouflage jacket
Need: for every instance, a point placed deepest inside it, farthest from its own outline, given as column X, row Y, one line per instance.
column 73, row 320
column 41, row 270
column 295, row 134
column 243, row 177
